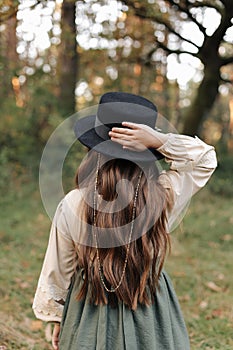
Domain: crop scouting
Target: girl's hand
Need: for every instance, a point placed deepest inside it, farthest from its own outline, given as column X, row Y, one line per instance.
column 55, row 336
column 137, row 137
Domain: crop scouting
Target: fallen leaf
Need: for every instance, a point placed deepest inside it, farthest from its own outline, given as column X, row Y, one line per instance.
column 213, row 244
column 195, row 316
column 179, row 273
column 226, row 238
column 22, row 284
column 203, row 304
column 36, row 325
column 40, row 217
column 185, row 297
column 221, row 276
column 217, row 313
column 213, row 287
column 212, row 223
column 25, row 264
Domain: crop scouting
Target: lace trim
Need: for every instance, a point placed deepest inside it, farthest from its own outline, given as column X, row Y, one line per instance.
column 46, row 300
column 208, row 158
column 53, row 290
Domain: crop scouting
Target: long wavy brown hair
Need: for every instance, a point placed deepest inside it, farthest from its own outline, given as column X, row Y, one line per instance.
column 150, row 242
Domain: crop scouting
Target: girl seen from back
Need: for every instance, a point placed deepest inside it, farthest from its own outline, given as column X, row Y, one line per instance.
column 102, row 282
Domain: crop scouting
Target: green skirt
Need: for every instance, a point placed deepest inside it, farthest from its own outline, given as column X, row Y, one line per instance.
column 160, row 326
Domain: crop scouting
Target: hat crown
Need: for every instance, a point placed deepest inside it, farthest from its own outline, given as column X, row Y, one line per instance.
column 126, row 97
column 117, row 107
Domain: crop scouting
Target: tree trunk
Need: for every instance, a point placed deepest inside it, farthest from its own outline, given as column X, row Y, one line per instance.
column 68, row 61
column 8, row 55
column 208, row 89
column 205, row 97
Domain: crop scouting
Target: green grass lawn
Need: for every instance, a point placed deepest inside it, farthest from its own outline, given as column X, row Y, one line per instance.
column 200, row 266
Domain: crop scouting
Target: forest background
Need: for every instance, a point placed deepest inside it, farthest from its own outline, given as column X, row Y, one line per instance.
column 56, row 59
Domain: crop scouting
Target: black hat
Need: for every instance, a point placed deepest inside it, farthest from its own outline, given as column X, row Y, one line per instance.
column 113, row 109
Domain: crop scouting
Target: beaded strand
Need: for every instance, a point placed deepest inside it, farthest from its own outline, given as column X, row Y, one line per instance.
column 112, row 290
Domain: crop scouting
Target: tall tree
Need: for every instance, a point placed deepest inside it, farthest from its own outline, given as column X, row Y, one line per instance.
column 8, row 54
column 68, row 57
column 214, row 52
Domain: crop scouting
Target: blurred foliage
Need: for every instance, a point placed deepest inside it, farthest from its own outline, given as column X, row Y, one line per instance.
column 70, row 166
column 222, row 183
column 129, row 61
column 24, row 130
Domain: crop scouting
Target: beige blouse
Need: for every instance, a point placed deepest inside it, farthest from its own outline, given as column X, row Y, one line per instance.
column 191, row 164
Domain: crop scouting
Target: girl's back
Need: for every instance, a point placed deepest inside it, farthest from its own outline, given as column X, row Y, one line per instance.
column 102, row 281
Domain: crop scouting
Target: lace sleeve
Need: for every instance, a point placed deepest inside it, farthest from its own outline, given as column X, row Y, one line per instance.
column 48, row 302
column 57, row 271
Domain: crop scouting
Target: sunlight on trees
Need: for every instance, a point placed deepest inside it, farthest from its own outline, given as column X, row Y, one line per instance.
column 177, row 53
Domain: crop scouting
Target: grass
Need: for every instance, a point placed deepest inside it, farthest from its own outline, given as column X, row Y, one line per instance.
column 23, row 234
column 200, row 266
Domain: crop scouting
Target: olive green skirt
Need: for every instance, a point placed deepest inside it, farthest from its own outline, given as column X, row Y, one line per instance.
column 160, row 326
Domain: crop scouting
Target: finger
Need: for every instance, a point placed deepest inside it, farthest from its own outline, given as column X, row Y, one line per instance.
column 121, row 136
column 130, row 148
column 55, row 337
column 123, row 131
column 121, row 141
column 131, row 125
column 55, row 344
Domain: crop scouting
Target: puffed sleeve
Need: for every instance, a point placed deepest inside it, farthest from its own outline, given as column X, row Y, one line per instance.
column 57, row 270
column 192, row 162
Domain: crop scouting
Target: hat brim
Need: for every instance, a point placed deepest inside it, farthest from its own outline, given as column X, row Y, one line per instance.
column 85, row 132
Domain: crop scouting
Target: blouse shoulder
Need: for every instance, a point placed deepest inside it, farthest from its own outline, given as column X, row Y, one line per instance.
column 71, row 199
column 70, row 213
column 66, row 212
column 71, row 202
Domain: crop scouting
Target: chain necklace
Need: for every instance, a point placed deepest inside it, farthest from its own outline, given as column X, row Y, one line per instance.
column 113, row 289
